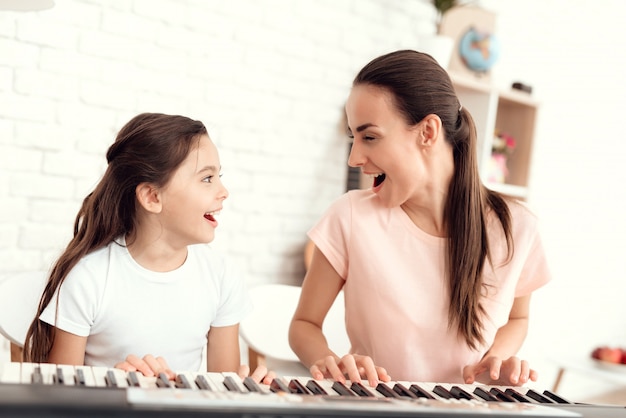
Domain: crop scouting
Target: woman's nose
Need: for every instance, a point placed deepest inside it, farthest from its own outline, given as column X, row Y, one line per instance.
column 355, row 159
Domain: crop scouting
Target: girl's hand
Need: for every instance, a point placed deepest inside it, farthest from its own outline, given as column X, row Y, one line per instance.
column 260, row 375
column 353, row 366
column 492, row 370
column 148, row 366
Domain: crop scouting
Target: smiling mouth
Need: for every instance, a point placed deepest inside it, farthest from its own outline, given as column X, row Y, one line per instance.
column 378, row 180
column 210, row 215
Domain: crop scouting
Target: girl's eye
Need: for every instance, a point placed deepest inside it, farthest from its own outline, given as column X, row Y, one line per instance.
column 208, row 179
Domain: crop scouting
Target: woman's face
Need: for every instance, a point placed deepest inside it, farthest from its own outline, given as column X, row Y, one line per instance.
column 385, row 146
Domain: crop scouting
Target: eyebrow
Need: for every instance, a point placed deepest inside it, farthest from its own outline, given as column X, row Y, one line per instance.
column 210, row 168
column 363, row 127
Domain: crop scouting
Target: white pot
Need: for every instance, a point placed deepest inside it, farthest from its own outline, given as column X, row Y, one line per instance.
column 437, row 46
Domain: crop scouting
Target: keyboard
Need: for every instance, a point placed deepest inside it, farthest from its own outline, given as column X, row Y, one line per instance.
column 76, row 390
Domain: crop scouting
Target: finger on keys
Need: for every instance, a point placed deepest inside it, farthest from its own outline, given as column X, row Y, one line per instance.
column 126, row 366
column 351, row 368
column 165, row 368
column 369, row 371
column 494, row 368
column 382, row 374
column 244, row 371
column 140, row 365
column 262, row 375
column 316, row 373
column 333, row 369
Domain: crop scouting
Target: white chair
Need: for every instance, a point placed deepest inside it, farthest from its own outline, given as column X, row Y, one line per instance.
column 19, row 298
column 265, row 330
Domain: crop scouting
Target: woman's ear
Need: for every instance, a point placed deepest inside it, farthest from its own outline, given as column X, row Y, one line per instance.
column 431, row 128
column 149, row 197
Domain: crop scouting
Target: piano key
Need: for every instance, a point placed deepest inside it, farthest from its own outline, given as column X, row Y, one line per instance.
column 531, row 393
column 110, row 379
column 420, row 392
column 485, row 394
column 386, row 391
column 518, row 396
column 133, row 379
column 203, row 383
column 278, row 385
column 36, row 377
column 99, row 375
column 460, row 393
column 315, row 388
column 443, row 392
column 361, row 390
column 556, row 398
column 218, row 381
column 232, row 385
column 182, row 382
column 342, row 389
column 295, row 386
column 252, row 385
column 501, row 395
column 403, row 391
column 163, row 381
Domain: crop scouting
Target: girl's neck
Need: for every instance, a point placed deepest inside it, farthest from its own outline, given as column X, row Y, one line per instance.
column 156, row 254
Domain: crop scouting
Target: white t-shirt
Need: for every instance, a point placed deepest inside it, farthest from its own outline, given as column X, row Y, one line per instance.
column 125, row 309
column 396, row 297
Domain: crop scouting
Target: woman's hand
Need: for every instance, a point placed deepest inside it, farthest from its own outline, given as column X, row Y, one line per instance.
column 492, row 370
column 260, row 375
column 148, row 366
column 352, row 366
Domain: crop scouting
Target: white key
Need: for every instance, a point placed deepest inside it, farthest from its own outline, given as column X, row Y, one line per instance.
column 218, row 381
column 191, row 378
column 68, row 374
column 87, row 373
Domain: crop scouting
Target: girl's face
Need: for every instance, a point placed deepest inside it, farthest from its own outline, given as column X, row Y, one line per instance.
column 385, row 146
column 194, row 196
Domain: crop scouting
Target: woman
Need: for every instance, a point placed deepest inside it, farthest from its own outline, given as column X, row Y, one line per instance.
column 437, row 270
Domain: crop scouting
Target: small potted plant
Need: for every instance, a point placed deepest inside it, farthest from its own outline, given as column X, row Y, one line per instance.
column 438, row 45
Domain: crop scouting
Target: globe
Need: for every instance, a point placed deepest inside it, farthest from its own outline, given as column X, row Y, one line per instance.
column 479, row 50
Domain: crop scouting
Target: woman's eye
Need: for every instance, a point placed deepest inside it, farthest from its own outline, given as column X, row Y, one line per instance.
column 368, row 138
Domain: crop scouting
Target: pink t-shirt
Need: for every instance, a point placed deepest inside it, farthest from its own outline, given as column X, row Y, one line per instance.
column 395, row 294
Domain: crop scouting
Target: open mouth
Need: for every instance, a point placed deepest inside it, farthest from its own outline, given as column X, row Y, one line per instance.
column 211, row 215
column 378, row 180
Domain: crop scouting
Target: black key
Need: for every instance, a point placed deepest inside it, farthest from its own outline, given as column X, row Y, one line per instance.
column 278, row 385
column 79, row 377
column 403, row 391
column 232, row 385
column 251, row 385
column 163, row 381
column 202, row 382
column 386, row 391
column 341, row 389
column 460, row 393
column 359, row 389
column 517, row 396
column 538, row 397
column 182, row 382
column 110, row 379
column 133, row 379
column 556, row 398
column 59, row 378
column 37, row 377
column 296, row 387
column 483, row 394
column 420, row 392
column 315, row 388
column 501, row 395
column 443, row 392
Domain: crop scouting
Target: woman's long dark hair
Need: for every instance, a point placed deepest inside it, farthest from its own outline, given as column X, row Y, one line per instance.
column 148, row 149
column 420, row 87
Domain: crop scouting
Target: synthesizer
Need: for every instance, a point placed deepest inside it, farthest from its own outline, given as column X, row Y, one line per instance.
column 62, row 390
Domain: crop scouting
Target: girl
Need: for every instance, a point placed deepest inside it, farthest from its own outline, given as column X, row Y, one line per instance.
column 137, row 275
column 437, row 270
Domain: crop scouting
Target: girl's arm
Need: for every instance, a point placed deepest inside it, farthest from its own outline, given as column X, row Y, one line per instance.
column 223, row 349
column 500, row 364
column 319, row 290
column 67, row 348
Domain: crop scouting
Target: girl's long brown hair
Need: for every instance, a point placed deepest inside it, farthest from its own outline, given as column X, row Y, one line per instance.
column 148, row 149
column 420, row 87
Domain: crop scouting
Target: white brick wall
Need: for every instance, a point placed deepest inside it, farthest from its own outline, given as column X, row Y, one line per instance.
column 268, row 78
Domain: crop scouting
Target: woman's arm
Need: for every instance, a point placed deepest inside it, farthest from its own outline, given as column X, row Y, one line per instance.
column 67, row 348
column 500, row 364
column 319, row 290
